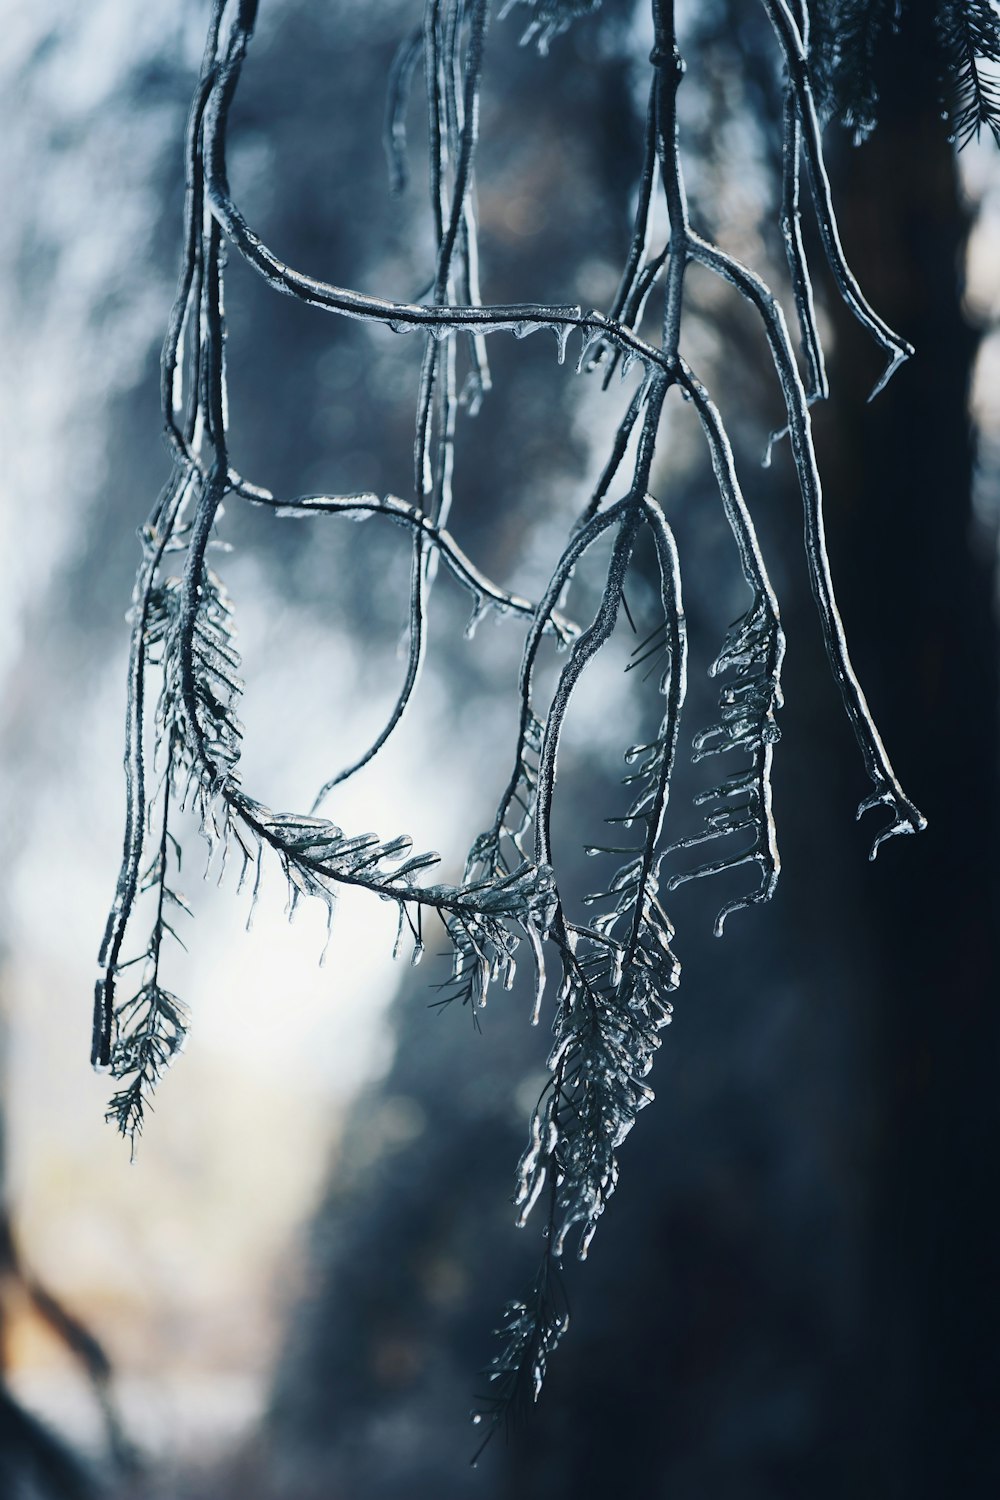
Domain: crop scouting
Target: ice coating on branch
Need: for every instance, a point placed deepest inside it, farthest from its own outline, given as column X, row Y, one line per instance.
column 615, row 957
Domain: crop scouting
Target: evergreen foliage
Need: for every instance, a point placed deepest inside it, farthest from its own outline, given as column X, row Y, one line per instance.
column 852, row 42
column 969, row 32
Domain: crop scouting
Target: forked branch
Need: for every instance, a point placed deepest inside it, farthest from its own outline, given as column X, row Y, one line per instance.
column 184, row 739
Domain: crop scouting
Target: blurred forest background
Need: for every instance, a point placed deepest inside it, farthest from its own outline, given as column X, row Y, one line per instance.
column 794, row 1292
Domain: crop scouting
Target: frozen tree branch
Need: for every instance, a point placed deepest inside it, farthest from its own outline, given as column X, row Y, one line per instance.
column 618, row 968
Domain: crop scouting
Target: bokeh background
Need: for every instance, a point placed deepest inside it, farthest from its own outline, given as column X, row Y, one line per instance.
column 794, row 1291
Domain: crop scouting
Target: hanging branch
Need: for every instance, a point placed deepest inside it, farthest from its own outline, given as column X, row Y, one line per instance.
column 618, row 967
column 753, row 652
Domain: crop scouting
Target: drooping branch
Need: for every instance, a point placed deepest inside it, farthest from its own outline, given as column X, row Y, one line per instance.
column 887, row 790
column 618, row 967
column 753, row 652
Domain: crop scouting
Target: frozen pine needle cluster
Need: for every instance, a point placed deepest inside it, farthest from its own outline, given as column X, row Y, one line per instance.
column 617, row 968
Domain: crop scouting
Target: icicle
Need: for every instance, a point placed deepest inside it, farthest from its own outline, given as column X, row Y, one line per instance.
column 479, row 609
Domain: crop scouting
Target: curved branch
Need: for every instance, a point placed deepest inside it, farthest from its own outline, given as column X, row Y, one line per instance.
column 416, row 650
column 906, row 817
column 517, row 318
column 463, row 570
column 792, row 47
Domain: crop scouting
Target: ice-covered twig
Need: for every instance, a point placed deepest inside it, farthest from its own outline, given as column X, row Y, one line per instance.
column 618, row 969
column 905, row 816
column 794, row 51
column 357, row 507
column 753, row 654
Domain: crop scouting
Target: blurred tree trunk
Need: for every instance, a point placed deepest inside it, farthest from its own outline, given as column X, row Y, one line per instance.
column 920, row 579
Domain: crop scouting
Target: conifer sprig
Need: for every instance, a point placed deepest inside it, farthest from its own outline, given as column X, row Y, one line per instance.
column 969, row 33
